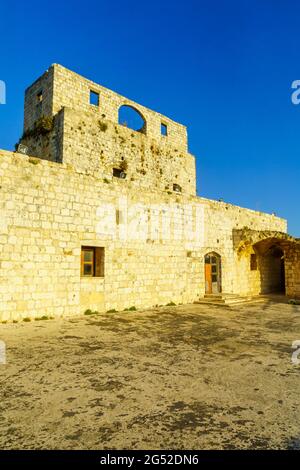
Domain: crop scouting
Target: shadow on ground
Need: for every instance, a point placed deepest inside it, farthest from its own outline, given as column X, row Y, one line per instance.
column 188, row 377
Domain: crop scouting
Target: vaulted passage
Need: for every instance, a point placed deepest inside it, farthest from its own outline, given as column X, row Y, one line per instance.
column 272, row 270
column 274, row 265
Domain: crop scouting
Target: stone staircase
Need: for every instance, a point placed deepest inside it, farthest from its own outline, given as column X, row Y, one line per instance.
column 228, row 299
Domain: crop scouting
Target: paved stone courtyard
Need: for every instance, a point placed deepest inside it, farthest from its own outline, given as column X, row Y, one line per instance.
column 187, row 377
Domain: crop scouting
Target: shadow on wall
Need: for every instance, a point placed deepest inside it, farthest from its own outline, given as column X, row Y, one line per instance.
column 272, row 271
column 293, row 443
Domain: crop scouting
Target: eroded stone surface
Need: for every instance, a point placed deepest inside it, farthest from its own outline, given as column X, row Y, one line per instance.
column 187, row 377
column 152, row 240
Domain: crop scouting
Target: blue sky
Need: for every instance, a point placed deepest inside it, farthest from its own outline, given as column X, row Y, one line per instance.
column 222, row 68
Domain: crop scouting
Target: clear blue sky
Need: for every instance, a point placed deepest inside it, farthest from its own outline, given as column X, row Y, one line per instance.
column 223, row 68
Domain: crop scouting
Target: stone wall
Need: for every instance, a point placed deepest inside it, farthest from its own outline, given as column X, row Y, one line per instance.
column 39, row 99
column 292, row 270
column 50, row 210
column 278, row 261
column 106, row 146
column 154, row 238
column 71, row 90
column 90, row 139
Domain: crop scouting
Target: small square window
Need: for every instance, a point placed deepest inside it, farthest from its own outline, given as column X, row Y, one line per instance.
column 94, row 98
column 92, row 261
column 164, row 129
column 253, row 262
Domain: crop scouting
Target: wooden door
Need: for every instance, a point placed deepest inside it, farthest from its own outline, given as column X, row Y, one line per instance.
column 212, row 273
column 208, row 280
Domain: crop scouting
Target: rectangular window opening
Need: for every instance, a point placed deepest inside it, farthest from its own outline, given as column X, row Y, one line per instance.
column 92, row 261
column 94, row 98
column 164, row 129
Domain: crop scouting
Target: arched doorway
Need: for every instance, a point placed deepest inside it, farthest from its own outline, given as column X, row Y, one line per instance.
column 272, row 268
column 213, row 273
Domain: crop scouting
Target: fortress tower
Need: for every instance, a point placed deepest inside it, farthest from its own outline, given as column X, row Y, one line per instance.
column 101, row 214
column 72, row 120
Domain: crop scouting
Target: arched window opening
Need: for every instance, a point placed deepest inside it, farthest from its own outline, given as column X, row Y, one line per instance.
column 132, row 118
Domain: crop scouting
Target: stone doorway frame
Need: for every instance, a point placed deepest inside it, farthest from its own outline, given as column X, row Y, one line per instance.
column 213, row 273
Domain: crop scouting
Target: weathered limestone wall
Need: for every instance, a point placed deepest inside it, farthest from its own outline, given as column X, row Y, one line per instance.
column 49, row 210
column 46, row 144
column 106, row 146
column 221, row 221
column 278, row 260
column 73, row 91
column 292, row 270
column 35, row 107
column 90, row 139
column 247, row 282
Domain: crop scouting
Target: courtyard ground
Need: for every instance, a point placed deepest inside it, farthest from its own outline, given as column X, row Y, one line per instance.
column 187, row 377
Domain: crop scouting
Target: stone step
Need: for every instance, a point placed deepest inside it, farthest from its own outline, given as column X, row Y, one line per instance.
column 228, row 299
column 222, row 295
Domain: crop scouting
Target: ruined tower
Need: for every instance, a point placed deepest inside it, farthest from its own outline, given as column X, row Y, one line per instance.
column 72, row 120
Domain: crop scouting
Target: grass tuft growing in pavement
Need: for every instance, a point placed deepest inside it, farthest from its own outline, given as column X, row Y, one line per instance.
column 90, row 312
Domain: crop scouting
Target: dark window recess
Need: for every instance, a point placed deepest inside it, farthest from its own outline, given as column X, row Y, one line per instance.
column 253, row 262
column 177, row 188
column 39, row 97
column 92, row 261
column 118, row 173
column 94, row 98
column 164, row 129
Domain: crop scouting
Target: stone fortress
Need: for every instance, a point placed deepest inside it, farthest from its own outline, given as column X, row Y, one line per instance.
column 97, row 214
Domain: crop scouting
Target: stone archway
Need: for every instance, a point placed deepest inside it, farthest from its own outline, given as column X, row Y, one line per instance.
column 276, row 253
